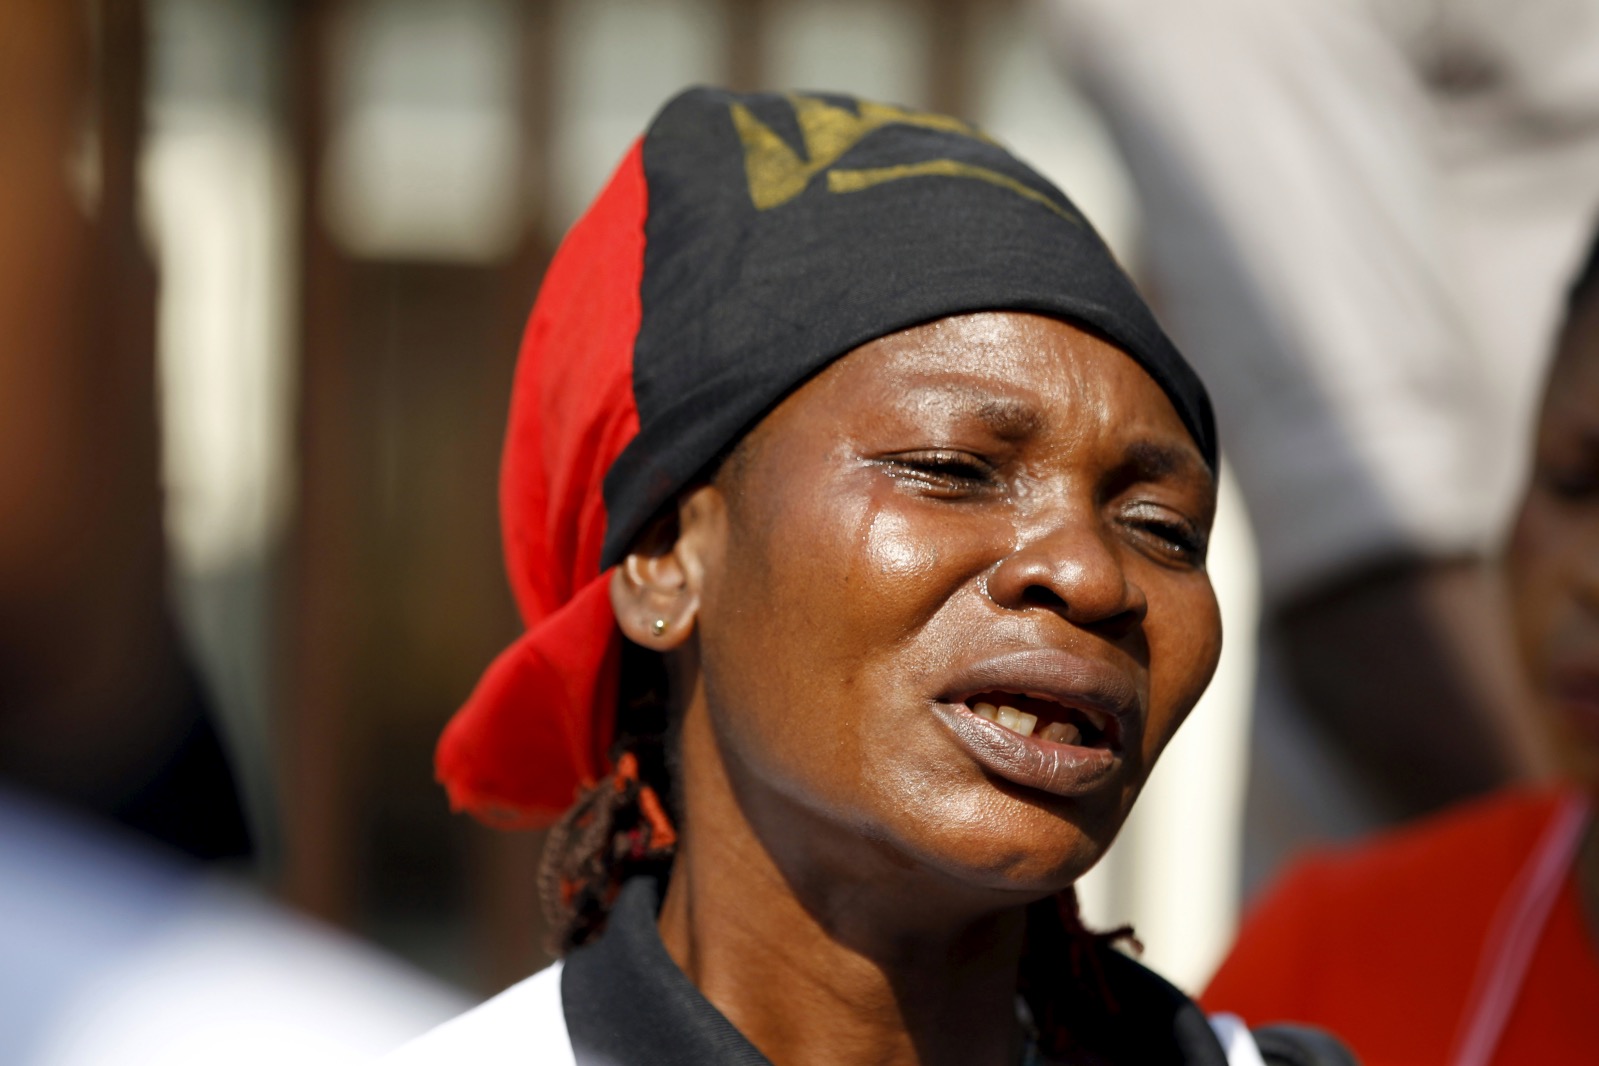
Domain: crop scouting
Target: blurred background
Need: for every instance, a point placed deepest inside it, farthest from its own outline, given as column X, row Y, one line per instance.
column 263, row 268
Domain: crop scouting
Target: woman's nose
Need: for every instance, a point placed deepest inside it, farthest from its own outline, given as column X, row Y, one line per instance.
column 1073, row 569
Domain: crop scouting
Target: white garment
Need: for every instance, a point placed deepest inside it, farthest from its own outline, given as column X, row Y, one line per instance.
column 524, row 1024
column 1236, row 1040
column 113, row 955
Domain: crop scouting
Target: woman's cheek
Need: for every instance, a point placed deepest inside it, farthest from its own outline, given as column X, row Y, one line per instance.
column 1180, row 666
column 894, row 549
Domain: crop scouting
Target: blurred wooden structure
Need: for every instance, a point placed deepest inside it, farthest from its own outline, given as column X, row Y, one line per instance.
column 396, row 596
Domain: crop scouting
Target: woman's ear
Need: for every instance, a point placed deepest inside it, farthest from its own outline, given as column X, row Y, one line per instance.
column 656, row 588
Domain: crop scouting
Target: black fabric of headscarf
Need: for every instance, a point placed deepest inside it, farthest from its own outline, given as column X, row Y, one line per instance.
column 785, row 230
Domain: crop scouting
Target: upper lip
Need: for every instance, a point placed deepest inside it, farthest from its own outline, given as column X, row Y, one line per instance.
column 1088, row 685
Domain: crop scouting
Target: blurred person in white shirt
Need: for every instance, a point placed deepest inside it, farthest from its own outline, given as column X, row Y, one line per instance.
column 113, row 953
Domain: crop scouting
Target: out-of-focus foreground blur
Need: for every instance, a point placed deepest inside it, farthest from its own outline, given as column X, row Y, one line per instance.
column 263, row 267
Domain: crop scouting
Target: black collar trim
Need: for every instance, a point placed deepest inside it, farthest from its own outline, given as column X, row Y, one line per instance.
column 626, row 1002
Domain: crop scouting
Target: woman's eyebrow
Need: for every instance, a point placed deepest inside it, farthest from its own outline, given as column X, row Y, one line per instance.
column 1152, row 460
column 1008, row 417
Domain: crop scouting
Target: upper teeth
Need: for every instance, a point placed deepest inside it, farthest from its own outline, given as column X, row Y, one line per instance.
column 1024, row 723
column 1009, row 717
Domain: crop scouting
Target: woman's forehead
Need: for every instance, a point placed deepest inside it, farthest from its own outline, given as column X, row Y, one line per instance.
column 1017, row 372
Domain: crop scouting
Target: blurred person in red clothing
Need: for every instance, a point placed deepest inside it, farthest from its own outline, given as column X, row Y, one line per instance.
column 1473, row 937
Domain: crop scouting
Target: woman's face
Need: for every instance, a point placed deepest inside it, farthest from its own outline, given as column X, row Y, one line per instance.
column 992, row 512
column 1554, row 553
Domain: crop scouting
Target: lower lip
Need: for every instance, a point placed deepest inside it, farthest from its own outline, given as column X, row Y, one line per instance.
column 1059, row 769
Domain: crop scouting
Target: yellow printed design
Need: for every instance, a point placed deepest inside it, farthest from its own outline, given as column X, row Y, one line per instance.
column 856, row 180
column 777, row 174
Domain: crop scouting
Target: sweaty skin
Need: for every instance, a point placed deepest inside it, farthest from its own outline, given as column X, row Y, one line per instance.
column 996, row 501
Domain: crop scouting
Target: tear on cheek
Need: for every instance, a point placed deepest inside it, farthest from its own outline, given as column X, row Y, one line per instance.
column 894, row 549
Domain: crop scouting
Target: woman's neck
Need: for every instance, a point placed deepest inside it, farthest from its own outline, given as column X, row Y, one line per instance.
column 842, row 978
column 823, row 948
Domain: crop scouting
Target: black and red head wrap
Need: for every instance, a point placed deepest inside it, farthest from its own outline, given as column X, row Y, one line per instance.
column 746, row 241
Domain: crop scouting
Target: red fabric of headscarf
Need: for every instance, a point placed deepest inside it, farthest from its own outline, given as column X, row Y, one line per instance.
column 539, row 723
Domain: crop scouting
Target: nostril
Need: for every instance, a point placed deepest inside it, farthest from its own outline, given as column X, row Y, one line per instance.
column 1043, row 596
column 1112, row 621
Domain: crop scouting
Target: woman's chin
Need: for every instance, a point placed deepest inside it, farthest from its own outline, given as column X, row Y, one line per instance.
column 976, row 839
column 1010, row 850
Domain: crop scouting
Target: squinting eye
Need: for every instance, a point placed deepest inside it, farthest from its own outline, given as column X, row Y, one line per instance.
column 1182, row 540
column 942, row 473
column 1174, row 538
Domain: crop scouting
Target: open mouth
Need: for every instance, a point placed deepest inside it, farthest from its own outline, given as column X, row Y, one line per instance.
column 1044, row 718
column 1036, row 716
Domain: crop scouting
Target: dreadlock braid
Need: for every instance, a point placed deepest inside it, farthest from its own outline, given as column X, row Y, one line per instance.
column 621, row 826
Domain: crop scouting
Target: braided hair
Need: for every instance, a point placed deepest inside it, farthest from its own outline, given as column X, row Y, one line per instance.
column 624, row 825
